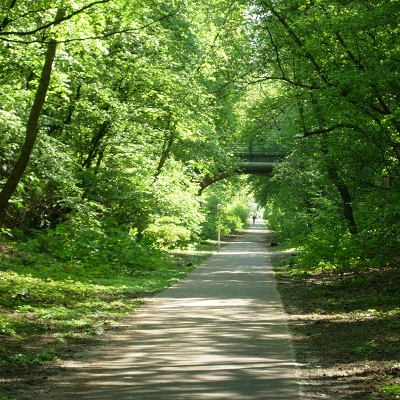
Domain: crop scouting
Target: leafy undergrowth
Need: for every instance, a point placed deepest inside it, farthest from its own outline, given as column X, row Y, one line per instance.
column 49, row 310
column 346, row 332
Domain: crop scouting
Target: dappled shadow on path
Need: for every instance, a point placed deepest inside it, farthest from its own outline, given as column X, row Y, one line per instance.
column 218, row 334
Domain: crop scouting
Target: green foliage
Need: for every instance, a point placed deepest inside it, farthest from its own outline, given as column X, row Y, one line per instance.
column 131, row 117
column 167, row 232
column 49, row 189
column 335, row 196
column 241, row 211
column 235, row 207
column 334, row 250
column 31, row 359
column 390, row 392
column 47, row 301
column 366, row 349
column 230, row 223
column 87, row 245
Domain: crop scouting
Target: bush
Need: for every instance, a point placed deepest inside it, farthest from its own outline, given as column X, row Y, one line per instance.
column 390, row 392
column 230, row 223
column 167, row 232
column 86, row 245
column 241, row 211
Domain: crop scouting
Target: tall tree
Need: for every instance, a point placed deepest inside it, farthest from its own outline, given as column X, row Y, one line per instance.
column 138, row 89
column 32, row 126
column 332, row 64
column 20, row 25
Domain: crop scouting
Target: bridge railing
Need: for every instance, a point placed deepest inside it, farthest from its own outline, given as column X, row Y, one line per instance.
column 254, row 150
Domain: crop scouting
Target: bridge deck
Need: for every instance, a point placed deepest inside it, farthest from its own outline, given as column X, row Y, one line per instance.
column 244, row 150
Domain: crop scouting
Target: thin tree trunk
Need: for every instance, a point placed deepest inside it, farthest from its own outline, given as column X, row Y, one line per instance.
column 167, row 146
column 169, row 142
column 6, row 20
column 95, row 144
column 337, row 180
column 346, row 199
column 32, row 128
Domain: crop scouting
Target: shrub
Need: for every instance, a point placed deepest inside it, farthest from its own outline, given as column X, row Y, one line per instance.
column 390, row 392
column 167, row 232
column 230, row 223
column 242, row 212
column 86, row 245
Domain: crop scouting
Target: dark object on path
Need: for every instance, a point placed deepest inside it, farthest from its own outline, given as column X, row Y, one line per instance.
column 274, row 244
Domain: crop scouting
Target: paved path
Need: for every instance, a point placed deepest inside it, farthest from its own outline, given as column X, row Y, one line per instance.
column 218, row 334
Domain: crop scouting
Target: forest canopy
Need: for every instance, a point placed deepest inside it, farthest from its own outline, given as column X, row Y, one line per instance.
column 113, row 112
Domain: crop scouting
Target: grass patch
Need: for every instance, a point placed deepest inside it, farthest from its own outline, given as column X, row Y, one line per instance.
column 346, row 332
column 46, row 310
column 390, row 392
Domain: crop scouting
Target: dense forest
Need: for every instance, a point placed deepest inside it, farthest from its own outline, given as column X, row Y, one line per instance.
column 113, row 112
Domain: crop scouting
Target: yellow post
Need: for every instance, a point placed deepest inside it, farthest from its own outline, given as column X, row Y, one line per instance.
column 219, row 226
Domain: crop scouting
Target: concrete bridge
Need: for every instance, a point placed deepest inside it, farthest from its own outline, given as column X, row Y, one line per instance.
column 251, row 160
column 256, row 159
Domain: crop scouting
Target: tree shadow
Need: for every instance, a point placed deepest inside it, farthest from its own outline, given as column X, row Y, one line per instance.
column 218, row 334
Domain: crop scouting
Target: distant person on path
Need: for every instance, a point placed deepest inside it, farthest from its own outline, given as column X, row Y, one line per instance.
column 254, row 218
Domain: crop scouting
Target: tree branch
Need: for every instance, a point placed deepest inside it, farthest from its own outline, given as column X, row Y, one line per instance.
column 105, row 35
column 331, row 129
column 299, row 42
column 349, row 53
column 6, row 19
column 284, row 79
column 278, row 59
column 56, row 21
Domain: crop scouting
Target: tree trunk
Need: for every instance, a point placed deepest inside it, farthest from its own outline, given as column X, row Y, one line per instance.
column 165, row 154
column 346, row 199
column 336, row 179
column 6, row 20
column 32, row 128
column 95, row 144
column 167, row 146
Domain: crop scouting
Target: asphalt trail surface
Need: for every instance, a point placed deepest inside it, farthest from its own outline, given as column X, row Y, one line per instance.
column 220, row 333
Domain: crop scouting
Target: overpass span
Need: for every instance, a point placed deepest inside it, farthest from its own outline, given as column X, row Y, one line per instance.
column 251, row 160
